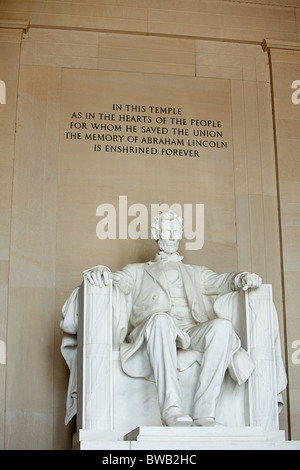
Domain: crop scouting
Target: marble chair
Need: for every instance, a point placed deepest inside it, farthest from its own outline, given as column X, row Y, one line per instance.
column 112, row 404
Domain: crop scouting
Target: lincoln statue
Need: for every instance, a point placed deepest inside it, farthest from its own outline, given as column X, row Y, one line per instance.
column 170, row 310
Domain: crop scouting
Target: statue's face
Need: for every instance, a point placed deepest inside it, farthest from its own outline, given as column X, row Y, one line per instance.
column 170, row 235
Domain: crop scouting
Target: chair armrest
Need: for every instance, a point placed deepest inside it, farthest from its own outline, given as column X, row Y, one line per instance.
column 95, row 356
column 260, row 312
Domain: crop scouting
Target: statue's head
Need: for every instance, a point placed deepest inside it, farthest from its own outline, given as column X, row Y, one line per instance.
column 167, row 229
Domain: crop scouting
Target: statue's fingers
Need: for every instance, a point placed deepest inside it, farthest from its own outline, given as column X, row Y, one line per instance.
column 89, row 278
column 99, row 279
column 105, row 277
column 258, row 281
column 94, row 277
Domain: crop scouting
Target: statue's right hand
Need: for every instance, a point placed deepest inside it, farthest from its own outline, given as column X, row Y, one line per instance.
column 98, row 276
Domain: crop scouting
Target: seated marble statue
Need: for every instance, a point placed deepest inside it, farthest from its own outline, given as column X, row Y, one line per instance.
column 169, row 310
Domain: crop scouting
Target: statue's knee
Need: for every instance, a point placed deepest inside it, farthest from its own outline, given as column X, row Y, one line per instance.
column 222, row 328
column 161, row 320
column 159, row 324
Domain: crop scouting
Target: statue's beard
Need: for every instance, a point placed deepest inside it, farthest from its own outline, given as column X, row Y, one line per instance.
column 168, row 246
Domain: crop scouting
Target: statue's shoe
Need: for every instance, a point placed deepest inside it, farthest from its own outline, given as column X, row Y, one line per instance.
column 207, row 422
column 175, row 417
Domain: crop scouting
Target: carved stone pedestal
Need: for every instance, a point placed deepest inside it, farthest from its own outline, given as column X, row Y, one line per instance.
column 189, row 438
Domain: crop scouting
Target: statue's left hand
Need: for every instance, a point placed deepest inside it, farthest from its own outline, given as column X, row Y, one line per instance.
column 250, row 281
column 98, row 276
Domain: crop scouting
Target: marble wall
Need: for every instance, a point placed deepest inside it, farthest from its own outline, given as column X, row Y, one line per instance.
column 10, row 56
column 82, row 54
column 285, row 65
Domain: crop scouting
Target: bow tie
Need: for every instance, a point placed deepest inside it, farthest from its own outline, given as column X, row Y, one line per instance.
column 166, row 257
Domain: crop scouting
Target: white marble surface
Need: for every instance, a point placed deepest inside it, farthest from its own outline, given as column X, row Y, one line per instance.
column 106, row 393
column 95, row 371
column 135, row 400
column 133, row 406
column 229, row 319
column 262, row 384
column 114, row 401
column 194, row 438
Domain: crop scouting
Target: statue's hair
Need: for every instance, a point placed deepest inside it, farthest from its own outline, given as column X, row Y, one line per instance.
column 161, row 216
